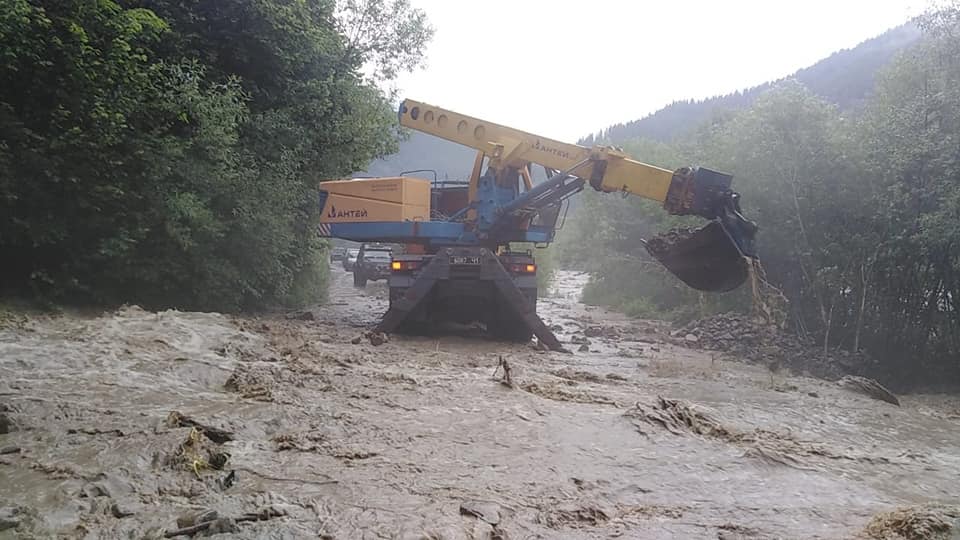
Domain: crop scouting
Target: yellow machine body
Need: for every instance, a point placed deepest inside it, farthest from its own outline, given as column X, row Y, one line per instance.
column 376, row 199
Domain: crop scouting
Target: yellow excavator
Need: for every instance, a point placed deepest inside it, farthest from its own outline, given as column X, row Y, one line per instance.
column 458, row 265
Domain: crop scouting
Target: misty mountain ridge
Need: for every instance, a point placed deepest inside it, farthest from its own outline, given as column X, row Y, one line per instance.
column 845, row 78
column 451, row 161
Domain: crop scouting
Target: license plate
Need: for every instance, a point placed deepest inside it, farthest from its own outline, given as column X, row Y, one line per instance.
column 464, row 260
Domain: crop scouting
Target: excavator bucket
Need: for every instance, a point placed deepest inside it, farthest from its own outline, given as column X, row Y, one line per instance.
column 706, row 259
column 714, row 258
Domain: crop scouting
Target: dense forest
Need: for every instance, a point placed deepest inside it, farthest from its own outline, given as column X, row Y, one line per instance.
column 166, row 152
column 859, row 212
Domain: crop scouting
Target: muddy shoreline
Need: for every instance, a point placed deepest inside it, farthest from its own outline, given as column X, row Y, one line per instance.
column 133, row 424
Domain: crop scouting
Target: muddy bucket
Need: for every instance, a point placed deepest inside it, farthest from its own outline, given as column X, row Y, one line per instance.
column 706, row 259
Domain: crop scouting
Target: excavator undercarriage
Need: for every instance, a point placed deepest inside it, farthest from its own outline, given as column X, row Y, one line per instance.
column 465, row 285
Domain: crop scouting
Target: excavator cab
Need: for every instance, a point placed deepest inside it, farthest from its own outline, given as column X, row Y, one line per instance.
column 716, row 257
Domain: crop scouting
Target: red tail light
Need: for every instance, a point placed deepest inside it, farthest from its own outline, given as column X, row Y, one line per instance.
column 523, row 268
column 404, row 266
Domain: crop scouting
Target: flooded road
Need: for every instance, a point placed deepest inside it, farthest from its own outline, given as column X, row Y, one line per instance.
column 133, row 424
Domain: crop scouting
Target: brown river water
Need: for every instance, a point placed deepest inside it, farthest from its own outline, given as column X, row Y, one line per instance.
column 121, row 424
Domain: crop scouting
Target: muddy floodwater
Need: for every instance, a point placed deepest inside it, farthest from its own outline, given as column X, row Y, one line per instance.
column 139, row 425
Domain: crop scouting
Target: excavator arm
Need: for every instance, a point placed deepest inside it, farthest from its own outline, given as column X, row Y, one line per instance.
column 509, row 148
column 713, row 258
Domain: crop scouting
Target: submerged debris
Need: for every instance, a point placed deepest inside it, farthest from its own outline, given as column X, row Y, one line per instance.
column 305, row 315
column 193, row 518
column 375, row 338
column 506, row 379
column 609, row 332
column 7, row 424
column 482, row 510
column 596, row 512
column 678, row 417
column 572, row 374
column 252, row 382
column 197, row 453
column 215, row 434
column 556, row 393
column 868, row 387
column 301, row 442
column 575, row 516
column 209, row 523
column 201, row 448
column 926, row 522
column 9, row 517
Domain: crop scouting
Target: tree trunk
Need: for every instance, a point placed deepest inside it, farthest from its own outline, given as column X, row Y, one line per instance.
column 806, row 242
column 864, row 287
column 828, row 323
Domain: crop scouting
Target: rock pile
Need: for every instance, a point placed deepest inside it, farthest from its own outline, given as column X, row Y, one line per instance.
column 743, row 338
column 609, row 332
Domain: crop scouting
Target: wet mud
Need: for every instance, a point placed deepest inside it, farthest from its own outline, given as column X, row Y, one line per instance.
column 149, row 425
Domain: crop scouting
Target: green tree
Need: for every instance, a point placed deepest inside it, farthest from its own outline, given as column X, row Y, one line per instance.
column 168, row 152
column 859, row 213
column 786, row 155
column 908, row 140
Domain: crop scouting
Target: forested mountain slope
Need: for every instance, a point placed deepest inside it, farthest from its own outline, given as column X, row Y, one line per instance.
column 845, row 78
column 856, row 195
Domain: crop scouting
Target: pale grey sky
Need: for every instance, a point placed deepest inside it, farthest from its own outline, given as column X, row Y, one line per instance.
column 564, row 68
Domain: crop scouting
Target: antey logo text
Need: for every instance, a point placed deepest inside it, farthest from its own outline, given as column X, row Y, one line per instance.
column 551, row 150
column 334, row 213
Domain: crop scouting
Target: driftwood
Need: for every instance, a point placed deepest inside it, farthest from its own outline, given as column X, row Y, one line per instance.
column 678, row 417
column 868, row 387
column 215, row 434
column 506, row 379
column 191, row 530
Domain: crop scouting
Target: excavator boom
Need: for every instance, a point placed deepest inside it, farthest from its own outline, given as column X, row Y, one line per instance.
column 511, row 148
column 713, row 258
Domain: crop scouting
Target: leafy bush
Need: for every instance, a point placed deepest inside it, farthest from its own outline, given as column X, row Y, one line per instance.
column 168, row 153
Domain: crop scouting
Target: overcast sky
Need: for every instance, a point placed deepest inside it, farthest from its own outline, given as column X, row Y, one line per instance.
column 563, row 68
